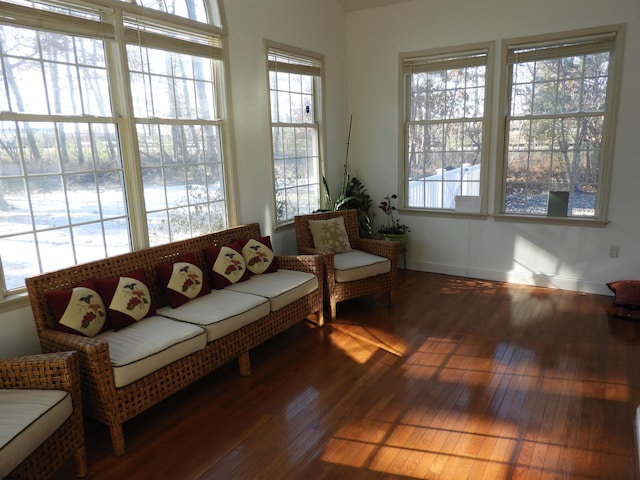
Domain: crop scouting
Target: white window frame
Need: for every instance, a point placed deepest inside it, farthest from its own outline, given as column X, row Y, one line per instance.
column 290, row 60
column 470, row 195
column 104, row 21
column 553, row 46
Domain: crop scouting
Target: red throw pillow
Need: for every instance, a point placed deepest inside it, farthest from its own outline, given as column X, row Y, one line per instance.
column 226, row 265
column 627, row 293
column 79, row 310
column 258, row 255
column 127, row 298
column 182, row 281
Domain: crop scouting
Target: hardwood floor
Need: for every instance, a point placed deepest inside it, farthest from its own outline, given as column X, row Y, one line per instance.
column 462, row 379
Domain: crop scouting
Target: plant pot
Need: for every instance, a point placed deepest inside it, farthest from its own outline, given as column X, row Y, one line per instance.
column 401, row 238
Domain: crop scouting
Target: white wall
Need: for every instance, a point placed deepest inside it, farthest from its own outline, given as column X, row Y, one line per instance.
column 570, row 257
column 315, row 25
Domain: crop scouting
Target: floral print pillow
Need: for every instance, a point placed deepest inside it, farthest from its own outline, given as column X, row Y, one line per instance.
column 182, row 281
column 79, row 310
column 127, row 298
column 226, row 264
column 258, row 255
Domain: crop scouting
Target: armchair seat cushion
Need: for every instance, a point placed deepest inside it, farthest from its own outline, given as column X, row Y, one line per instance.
column 145, row 346
column 356, row 265
column 28, row 418
column 220, row 312
column 281, row 288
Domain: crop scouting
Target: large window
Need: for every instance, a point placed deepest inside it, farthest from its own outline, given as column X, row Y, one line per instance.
column 110, row 131
column 558, row 125
column 294, row 85
column 446, row 110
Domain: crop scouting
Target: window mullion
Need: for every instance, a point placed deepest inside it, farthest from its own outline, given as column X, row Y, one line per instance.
column 119, row 79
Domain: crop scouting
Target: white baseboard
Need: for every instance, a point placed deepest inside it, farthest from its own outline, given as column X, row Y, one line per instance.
column 521, row 278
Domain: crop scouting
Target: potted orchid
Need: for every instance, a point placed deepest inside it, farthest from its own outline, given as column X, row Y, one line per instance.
column 392, row 229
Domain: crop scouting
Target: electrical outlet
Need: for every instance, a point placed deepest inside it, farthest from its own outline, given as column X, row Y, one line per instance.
column 613, row 251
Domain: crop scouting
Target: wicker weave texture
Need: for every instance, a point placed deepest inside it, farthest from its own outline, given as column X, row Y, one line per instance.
column 114, row 406
column 335, row 292
column 52, row 371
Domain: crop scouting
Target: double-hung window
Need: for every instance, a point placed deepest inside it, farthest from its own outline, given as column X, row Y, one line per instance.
column 110, row 130
column 178, row 125
column 446, row 107
column 558, row 133
column 294, row 86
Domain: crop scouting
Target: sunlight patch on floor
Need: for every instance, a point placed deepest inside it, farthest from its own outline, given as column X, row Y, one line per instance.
column 368, row 341
column 419, row 452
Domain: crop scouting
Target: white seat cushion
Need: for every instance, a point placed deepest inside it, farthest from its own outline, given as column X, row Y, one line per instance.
column 281, row 287
column 220, row 312
column 356, row 264
column 27, row 419
column 145, row 346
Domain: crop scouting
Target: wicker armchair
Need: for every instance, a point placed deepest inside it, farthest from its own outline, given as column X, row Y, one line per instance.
column 51, row 371
column 334, row 291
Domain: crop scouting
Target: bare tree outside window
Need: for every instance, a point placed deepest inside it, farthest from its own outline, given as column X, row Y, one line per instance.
column 445, row 110
column 557, row 113
column 69, row 126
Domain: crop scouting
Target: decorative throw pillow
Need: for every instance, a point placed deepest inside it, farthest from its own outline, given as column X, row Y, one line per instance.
column 226, row 265
column 79, row 310
column 182, row 281
column 627, row 293
column 258, row 255
column 330, row 235
column 127, row 298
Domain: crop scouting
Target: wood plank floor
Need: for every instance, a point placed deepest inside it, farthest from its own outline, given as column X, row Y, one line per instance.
column 462, row 379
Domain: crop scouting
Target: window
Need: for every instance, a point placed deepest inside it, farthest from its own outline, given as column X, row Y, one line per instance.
column 294, row 85
column 558, row 129
column 178, row 132
column 91, row 165
column 445, row 116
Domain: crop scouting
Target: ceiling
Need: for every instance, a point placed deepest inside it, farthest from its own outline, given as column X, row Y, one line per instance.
column 353, row 5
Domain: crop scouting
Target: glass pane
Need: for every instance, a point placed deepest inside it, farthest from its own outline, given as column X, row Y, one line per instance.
column 85, row 204
column 56, row 249
column 48, row 201
column 158, row 225
column 112, row 195
column 192, row 9
column 23, row 73
column 19, row 256
column 117, row 236
column 15, row 215
column 89, row 242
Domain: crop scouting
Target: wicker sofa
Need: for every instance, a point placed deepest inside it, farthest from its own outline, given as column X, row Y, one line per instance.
column 114, row 399
column 40, row 416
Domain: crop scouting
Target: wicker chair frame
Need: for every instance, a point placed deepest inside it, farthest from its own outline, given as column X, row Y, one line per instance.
column 114, row 406
column 335, row 292
column 52, row 371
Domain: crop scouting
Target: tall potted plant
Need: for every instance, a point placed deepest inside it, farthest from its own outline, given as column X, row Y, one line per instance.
column 392, row 230
column 353, row 194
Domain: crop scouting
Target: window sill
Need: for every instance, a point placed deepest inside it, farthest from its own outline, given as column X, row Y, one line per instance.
column 573, row 221
column 443, row 213
column 14, row 302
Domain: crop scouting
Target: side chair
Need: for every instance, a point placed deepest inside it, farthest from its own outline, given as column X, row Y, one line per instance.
column 41, row 422
column 361, row 267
